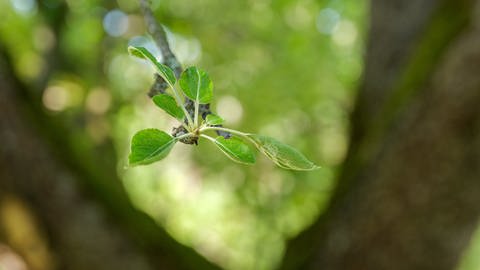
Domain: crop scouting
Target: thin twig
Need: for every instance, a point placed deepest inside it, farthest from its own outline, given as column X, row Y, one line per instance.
column 160, row 37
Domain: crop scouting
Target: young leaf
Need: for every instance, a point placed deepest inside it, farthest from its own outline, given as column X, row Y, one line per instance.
column 235, row 149
column 150, row 145
column 283, row 155
column 169, row 105
column 165, row 72
column 196, row 85
column 213, row 119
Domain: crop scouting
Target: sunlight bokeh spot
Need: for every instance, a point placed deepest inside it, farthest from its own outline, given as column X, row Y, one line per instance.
column 298, row 16
column 43, row 39
column 230, row 109
column 61, row 95
column 24, row 7
column 346, row 34
column 327, row 20
column 115, row 23
column 55, row 98
column 98, row 100
column 188, row 50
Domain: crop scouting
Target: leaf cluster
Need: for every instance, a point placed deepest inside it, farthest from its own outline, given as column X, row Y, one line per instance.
column 151, row 145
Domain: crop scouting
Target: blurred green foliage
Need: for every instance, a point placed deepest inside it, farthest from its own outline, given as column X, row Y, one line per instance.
column 287, row 69
column 471, row 260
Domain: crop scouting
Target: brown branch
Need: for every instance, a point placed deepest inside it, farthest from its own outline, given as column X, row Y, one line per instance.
column 159, row 36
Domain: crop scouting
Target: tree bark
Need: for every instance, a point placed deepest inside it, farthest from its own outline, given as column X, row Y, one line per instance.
column 409, row 193
column 85, row 229
column 408, row 196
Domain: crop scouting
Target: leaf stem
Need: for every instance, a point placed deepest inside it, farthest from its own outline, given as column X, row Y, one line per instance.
column 236, row 132
column 196, row 113
column 183, row 136
column 207, row 137
column 197, row 98
column 179, row 101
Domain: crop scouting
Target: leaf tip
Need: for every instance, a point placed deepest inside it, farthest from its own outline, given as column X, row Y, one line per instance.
column 312, row 168
column 213, row 119
column 135, row 51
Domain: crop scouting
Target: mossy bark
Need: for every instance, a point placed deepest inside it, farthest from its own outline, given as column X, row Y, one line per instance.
column 409, row 193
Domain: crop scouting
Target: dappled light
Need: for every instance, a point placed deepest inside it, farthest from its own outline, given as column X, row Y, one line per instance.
column 24, row 7
column 294, row 71
column 115, row 23
column 264, row 80
column 10, row 260
column 230, row 108
column 327, row 21
column 98, row 100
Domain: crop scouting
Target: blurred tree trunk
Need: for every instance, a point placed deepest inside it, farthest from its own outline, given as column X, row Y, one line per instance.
column 88, row 224
column 408, row 197
column 409, row 193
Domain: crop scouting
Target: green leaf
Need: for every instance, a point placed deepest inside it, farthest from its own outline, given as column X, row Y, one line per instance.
column 236, row 150
column 165, row 72
column 213, row 119
column 169, row 105
column 196, row 85
column 150, row 145
column 283, row 155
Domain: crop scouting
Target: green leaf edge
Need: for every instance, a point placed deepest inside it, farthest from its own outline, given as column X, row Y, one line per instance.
column 177, row 114
column 226, row 152
column 152, row 158
column 212, row 122
column 165, row 72
column 183, row 85
column 259, row 146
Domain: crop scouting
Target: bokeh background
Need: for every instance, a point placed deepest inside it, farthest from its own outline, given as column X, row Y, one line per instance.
column 287, row 69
